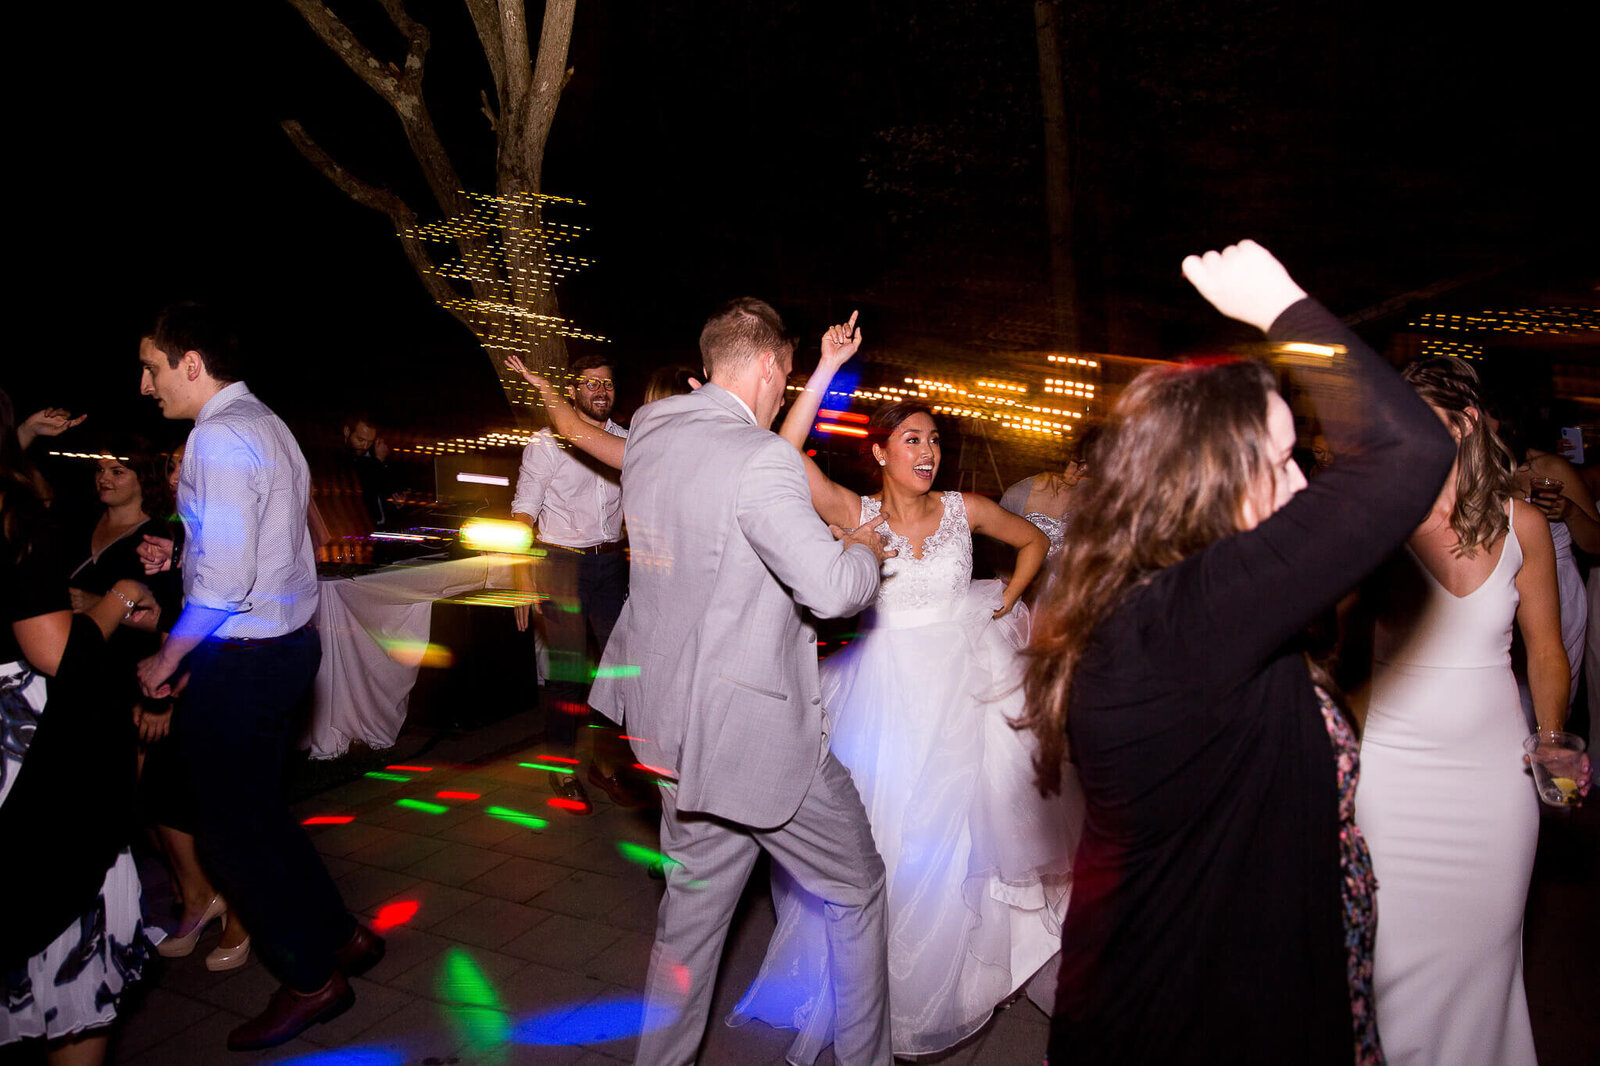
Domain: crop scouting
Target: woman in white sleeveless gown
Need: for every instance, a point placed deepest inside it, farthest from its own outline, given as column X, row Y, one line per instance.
column 978, row 864
column 1450, row 817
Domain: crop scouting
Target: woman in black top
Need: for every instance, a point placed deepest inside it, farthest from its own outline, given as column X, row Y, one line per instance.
column 74, row 938
column 1220, row 910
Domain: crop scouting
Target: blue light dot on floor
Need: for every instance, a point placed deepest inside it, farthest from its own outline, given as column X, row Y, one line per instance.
column 354, row 1056
column 609, row 1018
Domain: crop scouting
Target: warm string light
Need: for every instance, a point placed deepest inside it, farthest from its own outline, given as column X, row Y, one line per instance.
column 1432, row 347
column 1522, row 320
column 506, row 252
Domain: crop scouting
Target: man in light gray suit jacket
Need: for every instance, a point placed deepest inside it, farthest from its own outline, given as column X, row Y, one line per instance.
column 713, row 669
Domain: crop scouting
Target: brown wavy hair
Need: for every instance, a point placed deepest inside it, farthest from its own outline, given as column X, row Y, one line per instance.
column 1184, row 448
column 1483, row 462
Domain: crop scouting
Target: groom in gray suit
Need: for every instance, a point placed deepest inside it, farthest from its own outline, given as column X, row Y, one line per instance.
column 715, row 670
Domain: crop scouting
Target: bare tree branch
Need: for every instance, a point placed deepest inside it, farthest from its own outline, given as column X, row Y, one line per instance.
column 380, row 77
column 549, row 78
column 514, row 41
column 486, row 18
column 400, row 213
column 416, row 34
column 402, row 90
column 488, row 110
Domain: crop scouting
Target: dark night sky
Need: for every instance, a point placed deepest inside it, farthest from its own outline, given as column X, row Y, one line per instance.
column 819, row 153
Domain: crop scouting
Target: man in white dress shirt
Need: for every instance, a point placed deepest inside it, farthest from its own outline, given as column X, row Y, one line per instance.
column 573, row 503
column 245, row 649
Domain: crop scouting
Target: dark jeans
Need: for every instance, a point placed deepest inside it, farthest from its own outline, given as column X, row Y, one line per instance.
column 237, row 716
column 584, row 592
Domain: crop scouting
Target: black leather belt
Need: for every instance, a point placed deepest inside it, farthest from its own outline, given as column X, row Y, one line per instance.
column 262, row 642
column 594, row 549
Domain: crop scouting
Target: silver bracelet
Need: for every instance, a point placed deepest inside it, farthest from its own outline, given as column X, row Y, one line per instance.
column 131, row 605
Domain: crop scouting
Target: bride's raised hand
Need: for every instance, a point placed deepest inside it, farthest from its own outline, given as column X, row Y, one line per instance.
column 840, row 342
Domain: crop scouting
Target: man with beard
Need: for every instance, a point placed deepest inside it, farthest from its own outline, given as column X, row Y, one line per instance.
column 574, row 506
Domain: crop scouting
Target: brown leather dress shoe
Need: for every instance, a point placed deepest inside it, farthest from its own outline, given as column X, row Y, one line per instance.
column 290, row 1013
column 361, row 952
column 620, row 793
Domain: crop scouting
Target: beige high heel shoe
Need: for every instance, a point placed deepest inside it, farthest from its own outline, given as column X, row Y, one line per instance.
column 177, row 947
column 222, row 958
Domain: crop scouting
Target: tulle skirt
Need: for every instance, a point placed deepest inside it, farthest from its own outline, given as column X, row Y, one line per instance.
column 978, row 864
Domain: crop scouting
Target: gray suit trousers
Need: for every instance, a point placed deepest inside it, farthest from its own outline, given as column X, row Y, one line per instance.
column 827, row 847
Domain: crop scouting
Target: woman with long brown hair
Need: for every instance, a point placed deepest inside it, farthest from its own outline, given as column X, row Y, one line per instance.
column 1221, row 911
column 1447, row 809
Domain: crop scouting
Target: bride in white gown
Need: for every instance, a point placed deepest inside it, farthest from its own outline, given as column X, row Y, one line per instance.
column 977, row 862
column 1448, row 813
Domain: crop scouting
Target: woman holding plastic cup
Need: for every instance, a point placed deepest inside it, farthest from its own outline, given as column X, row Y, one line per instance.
column 1445, row 803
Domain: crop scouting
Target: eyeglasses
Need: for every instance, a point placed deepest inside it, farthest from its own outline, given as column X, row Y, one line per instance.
column 596, row 385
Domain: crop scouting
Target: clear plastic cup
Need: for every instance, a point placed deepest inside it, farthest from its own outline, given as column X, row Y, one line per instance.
column 1556, row 759
column 1547, row 488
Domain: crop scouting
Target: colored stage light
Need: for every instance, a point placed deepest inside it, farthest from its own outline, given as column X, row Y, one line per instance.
column 418, row 769
column 657, row 770
column 566, row 804
column 506, row 814
column 330, row 819
column 393, row 914
column 617, row 671
column 353, row 1056
column 642, row 855
column 381, row 776
column 557, row 758
column 459, row 795
column 597, row 1022
column 421, row 805
column 546, row 766
column 471, row 1001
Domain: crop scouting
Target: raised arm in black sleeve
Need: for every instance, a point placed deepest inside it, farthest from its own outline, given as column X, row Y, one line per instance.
column 1233, row 606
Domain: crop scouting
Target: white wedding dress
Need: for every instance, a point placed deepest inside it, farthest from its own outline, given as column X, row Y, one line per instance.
column 1451, row 820
column 978, row 864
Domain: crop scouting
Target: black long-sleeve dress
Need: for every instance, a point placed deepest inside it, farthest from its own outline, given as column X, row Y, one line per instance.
column 1206, row 919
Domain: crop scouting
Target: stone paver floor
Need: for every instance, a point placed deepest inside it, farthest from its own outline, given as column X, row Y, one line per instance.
column 507, row 943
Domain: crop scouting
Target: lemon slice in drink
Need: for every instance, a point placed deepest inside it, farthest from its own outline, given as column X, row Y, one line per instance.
column 1568, row 787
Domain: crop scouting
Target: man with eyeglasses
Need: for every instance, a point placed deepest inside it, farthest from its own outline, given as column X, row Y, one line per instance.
column 574, row 506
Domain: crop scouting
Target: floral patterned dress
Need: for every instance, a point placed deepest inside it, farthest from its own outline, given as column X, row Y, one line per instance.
column 1358, row 889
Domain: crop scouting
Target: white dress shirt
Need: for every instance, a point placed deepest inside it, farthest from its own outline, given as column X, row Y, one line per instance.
column 243, row 490
column 575, row 500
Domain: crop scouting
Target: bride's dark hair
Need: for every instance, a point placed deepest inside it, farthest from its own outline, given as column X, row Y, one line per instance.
column 1184, row 448
column 1483, row 462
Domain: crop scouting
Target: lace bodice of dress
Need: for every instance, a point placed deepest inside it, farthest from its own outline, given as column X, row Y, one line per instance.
column 1054, row 528
column 940, row 578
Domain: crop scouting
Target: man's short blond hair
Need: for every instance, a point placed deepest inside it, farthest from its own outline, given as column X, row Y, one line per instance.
column 742, row 330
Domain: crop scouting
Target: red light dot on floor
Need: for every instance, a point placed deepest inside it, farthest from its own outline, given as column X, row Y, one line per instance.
column 566, row 804
column 557, row 758
column 460, row 795
column 395, row 914
column 329, row 819
column 414, row 769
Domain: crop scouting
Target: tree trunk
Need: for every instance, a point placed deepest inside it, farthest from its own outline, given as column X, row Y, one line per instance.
column 1058, row 189
column 502, row 285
